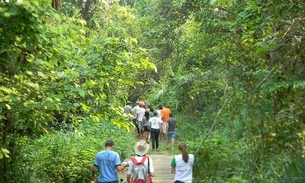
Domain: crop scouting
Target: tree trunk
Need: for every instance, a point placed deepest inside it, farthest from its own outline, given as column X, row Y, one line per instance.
column 56, row 4
column 86, row 11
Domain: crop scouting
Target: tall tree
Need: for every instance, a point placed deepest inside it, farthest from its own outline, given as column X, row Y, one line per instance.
column 56, row 4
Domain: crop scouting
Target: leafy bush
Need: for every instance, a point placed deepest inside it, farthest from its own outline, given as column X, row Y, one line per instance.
column 294, row 171
column 68, row 157
column 218, row 159
column 227, row 156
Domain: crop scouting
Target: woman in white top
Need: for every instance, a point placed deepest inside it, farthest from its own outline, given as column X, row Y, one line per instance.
column 155, row 125
column 182, row 165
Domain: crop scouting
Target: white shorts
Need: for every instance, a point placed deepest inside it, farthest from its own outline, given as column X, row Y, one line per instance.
column 164, row 125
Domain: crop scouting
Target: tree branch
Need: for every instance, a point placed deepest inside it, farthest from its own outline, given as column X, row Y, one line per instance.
column 214, row 123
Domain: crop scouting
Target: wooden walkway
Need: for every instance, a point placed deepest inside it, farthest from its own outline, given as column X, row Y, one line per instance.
column 162, row 169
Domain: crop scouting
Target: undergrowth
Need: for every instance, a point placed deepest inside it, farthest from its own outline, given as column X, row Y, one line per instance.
column 68, row 156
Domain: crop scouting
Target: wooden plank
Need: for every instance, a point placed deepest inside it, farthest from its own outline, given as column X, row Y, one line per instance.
column 161, row 167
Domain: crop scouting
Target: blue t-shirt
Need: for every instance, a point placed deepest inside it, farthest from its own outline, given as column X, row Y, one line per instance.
column 107, row 161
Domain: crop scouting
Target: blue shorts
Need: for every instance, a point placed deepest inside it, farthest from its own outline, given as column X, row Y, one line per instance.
column 171, row 135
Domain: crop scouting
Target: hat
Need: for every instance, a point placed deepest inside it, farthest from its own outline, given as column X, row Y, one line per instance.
column 128, row 102
column 141, row 147
column 141, row 104
column 137, row 102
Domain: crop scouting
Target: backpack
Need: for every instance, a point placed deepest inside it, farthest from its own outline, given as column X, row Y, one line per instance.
column 140, row 173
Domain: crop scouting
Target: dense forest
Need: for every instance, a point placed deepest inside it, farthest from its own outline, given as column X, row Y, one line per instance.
column 231, row 71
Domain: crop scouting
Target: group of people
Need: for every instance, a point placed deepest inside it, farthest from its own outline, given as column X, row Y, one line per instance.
column 153, row 124
column 108, row 163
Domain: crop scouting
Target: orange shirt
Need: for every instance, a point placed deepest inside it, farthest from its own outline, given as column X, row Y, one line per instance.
column 165, row 114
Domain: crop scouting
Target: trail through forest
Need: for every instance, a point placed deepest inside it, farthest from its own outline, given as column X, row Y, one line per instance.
column 161, row 161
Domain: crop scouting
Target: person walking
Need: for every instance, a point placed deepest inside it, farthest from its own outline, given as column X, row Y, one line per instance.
column 128, row 111
column 160, row 116
column 127, row 108
column 182, row 165
column 159, row 111
column 171, row 131
column 165, row 116
column 155, row 124
column 147, row 115
column 141, row 148
column 140, row 119
column 134, row 120
column 108, row 162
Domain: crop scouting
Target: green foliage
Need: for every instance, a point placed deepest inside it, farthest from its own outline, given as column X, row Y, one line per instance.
column 294, row 171
column 218, row 160
column 4, row 153
column 246, row 52
column 55, row 72
column 68, row 157
column 59, row 69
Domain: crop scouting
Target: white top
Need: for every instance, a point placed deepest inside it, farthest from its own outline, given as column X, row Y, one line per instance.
column 134, row 110
column 127, row 109
column 139, row 158
column 184, row 171
column 159, row 113
column 154, row 122
column 140, row 113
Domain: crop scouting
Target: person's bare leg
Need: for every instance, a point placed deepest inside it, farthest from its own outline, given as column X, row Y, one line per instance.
column 167, row 142
column 142, row 133
column 148, row 137
column 161, row 136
